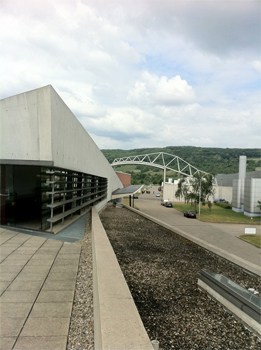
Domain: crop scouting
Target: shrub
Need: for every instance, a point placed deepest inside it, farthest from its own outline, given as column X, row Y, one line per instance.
column 224, row 205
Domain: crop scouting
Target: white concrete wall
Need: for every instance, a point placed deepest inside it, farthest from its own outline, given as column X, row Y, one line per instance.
column 252, row 195
column 38, row 126
column 25, row 129
column 223, row 192
column 169, row 192
column 73, row 148
column 220, row 192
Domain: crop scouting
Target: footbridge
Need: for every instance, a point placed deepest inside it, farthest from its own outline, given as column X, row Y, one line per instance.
column 161, row 160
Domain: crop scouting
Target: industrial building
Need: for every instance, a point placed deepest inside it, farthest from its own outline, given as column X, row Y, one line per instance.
column 242, row 189
column 51, row 169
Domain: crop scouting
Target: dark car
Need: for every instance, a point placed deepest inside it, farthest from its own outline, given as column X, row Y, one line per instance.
column 190, row 214
column 220, row 200
column 168, row 204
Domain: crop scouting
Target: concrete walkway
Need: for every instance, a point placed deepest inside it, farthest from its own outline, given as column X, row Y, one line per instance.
column 37, row 285
column 219, row 238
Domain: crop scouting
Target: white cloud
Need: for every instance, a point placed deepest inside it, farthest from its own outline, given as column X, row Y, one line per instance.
column 257, row 65
column 141, row 73
column 152, row 89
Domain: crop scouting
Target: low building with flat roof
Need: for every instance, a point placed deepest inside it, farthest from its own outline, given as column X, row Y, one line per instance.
column 51, row 169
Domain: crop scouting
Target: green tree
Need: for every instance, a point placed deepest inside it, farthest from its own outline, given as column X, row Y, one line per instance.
column 198, row 189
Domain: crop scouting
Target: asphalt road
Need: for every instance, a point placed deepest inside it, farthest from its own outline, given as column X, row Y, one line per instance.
column 221, row 238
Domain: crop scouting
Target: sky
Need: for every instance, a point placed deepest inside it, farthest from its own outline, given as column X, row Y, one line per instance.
column 142, row 73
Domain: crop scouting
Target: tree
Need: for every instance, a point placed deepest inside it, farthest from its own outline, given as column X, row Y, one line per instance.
column 198, row 189
column 183, row 190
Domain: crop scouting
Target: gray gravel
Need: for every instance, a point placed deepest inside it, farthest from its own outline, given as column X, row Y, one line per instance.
column 161, row 270
column 81, row 332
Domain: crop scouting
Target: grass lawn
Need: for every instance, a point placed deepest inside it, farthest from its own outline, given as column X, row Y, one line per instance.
column 219, row 215
column 255, row 239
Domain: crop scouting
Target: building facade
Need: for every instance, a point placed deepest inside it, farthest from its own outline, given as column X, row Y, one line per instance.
column 125, row 178
column 51, row 169
column 242, row 189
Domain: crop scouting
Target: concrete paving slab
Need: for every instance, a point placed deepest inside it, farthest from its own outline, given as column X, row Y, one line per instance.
column 14, row 310
column 28, row 276
column 47, row 262
column 48, row 251
column 52, row 244
column 64, row 276
column 21, row 285
column 20, row 238
column 16, row 259
column 41, row 343
column 7, row 343
column 11, row 327
column 3, row 285
column 70, row 248
column 29, row 272
column 18, row 296
column 55, row 296
column 71, row 271
column 64, row 269
column 41, row 259
column 3, row 257
column 35, row 327
column 66, row 262
column 58, row 285
column 63, row 257
column 36, row 269
column 26, row 250
column 10, row 268
column 8, row 276
column 54, row 309
column 34, row 242
column 7, row 250
column 6, row 235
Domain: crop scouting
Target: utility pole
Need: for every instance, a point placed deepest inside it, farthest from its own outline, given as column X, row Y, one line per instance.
column 164, row 179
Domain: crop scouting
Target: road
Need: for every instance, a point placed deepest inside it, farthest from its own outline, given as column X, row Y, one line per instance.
column 220, row 238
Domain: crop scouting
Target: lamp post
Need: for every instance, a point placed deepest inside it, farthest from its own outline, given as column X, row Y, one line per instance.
column 199, row 197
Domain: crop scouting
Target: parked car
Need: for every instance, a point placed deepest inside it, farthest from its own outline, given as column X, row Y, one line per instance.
column 220, row 200
column 190, row 214
column 168, row 204
column 157, row 194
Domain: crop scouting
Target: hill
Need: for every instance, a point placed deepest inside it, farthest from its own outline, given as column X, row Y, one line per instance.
column 211, row 160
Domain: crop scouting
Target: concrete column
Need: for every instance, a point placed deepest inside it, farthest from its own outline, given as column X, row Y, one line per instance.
column 241, row 177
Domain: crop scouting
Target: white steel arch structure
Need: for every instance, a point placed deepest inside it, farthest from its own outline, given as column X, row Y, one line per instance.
column 161, row 160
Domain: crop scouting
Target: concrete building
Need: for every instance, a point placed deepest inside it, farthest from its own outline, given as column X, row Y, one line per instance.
column 246, row 190
column 242, row 189
column 51, row 169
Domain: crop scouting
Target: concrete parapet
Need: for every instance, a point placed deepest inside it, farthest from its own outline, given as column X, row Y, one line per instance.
column 117, row 323
column 246, row 319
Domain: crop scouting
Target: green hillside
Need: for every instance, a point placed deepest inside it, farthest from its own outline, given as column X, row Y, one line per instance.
column 211, row 160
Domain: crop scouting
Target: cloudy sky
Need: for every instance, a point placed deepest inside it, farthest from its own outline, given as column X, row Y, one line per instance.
column 142, row 73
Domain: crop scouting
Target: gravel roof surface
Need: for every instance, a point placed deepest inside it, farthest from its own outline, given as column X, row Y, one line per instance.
column 81, row 332
column 161, row 270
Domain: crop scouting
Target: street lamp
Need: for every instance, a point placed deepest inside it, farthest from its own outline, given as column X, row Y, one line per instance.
column 199, row 196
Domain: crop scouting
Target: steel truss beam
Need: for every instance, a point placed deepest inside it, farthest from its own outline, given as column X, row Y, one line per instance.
column 161, row 160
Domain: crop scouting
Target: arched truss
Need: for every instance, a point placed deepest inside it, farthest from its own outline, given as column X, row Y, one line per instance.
column 161, row 160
